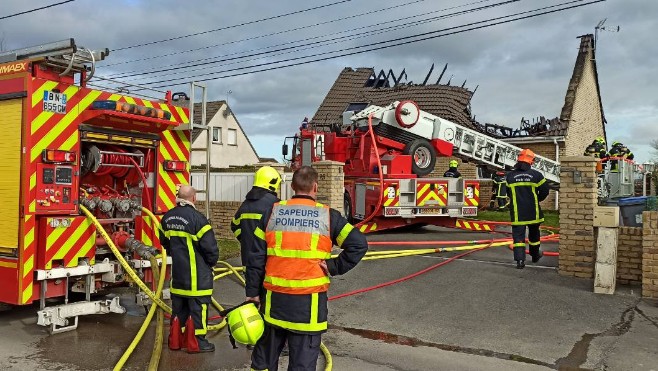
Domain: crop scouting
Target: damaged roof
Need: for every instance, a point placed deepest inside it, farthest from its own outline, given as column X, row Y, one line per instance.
column 362, row 85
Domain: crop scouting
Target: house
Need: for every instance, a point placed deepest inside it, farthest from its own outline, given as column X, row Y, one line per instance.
column 229, row 145
column 580, row 121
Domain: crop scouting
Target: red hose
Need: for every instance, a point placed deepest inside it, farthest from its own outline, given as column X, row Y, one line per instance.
column 381, row 175
column 393, row 282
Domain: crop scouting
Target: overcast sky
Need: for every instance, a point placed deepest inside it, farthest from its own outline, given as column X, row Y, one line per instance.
column 522, row 68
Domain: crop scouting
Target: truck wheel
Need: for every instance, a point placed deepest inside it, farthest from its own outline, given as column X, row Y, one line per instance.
column 423, row 156
column 347, row 208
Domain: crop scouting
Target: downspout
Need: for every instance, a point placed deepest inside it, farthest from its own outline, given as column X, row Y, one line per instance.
column 557, row 159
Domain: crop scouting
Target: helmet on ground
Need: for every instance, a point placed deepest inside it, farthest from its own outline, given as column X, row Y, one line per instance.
column 600, row 140
column 526, row 156
column 267, row 177
column 245, row 324
column 453, row 163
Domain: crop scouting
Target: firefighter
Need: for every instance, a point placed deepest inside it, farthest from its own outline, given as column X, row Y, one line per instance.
column 526, row 188
column 597, row 149
column 190, row 241
column 299, row 235
column 248, row 226
column 619, row 151
column 452, row 171
column 499, row 191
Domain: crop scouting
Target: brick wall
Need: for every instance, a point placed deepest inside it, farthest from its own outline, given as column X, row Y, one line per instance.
column 650, row 254
column 585, row 122
column 331, row 183
column 577, row 202
column 629, row 255
column 221, row 214
column 468, row 170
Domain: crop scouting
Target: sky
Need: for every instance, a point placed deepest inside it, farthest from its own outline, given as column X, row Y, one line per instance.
column 520, row 68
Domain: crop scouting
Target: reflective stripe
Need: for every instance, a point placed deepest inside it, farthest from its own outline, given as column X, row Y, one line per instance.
column 181, row 234
column 203, row 231
column 527, row 184
column 534, row 243
column 516, row 206
column 204, row 326
column 299, row 254
column 308, row 327
column 237, row 232
column 519, row 244
column 541, row 182
column 259, row 233
column 315, row 238
column 282, row 282
column 183, row 292
column 247, row 216
column 344, row 233
column 541, row 220
column 278, row 238
column 192, row 255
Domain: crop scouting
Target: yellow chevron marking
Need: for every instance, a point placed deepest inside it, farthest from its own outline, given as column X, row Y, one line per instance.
column 458, row 224
column 182, row 114
column 467, row 225
column 129, row 100
column 477, row 192
column 363, row 228
column 55, row 234
column 28, row 265
column 487, row 227
column 70, row 243
column 147, row 104
column 33, row 181
column 114, row 97
column 45, row 115
column 37, row 96
column 63, row 123
column 91, row 242
column 27, row 293
column 29, row 237
column 172, row 142
column 70, row 142
column 477, row 227
column 33, row 206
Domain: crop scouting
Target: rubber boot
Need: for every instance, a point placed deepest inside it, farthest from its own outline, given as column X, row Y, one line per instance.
column 204, row 345
column 192, row 343
column 175, row 334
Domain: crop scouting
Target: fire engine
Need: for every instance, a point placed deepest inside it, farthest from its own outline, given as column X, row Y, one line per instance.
column 389, row 150
column 70, row 146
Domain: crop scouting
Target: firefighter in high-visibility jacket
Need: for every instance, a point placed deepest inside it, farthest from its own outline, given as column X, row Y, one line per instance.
column 499, row 190
column 526, row 188
column 300, row 234
column 248, row 226
column 190, row 241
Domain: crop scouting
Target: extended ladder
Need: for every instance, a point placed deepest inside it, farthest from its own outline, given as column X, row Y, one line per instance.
column 470, row 145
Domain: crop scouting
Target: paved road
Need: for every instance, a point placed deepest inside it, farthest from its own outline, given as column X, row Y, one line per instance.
column 476, row 313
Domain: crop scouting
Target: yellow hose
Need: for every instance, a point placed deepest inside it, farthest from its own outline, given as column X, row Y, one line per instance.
column 159, row 327
column 149, row 316
column 124, row 263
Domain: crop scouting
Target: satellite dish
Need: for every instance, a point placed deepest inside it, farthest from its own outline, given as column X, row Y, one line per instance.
column 226, row 112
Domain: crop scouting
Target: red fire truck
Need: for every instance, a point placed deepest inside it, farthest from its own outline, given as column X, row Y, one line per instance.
column 69, row 145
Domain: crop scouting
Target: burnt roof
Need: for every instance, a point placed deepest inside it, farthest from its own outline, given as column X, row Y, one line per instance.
column 364, row 86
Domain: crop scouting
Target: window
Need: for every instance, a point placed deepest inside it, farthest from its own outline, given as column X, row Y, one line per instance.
column 232, row 139
column 217, row 135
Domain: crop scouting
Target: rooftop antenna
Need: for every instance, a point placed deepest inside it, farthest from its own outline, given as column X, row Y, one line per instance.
column 602, row 27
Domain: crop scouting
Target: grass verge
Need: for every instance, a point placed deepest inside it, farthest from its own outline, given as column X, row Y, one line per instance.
column 228, row 249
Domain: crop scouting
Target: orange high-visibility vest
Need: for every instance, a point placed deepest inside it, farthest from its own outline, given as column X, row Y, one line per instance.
column 298, row 237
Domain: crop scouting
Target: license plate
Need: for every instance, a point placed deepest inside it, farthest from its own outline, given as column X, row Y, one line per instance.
column 429, row 211
column 469, row 211
column 54, row 102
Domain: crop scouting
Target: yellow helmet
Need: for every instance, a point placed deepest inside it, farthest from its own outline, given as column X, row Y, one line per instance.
column 267, row 177
column 245, row 324
column 453, row 163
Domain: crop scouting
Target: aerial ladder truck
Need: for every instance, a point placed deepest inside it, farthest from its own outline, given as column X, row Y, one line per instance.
column 389, row 152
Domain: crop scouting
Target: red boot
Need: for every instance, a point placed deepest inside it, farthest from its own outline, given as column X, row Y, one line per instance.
column 175, row 335
column 192, row 343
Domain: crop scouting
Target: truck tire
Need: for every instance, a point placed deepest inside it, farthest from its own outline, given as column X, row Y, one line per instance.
column 423, row 156
column 347, row 208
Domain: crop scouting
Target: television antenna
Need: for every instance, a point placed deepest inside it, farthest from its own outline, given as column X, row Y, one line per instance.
column 602, row 27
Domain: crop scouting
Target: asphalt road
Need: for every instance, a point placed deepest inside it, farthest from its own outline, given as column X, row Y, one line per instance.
column 475, row 313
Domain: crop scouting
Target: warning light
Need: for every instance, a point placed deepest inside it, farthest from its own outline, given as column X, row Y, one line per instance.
column 175, row 165
column 131, row 108
column 57, row 156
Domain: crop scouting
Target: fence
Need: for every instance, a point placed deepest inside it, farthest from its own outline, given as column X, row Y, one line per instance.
column 233, row 186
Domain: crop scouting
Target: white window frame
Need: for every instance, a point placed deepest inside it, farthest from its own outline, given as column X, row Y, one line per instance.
column 219, row 135
column 228, row 137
